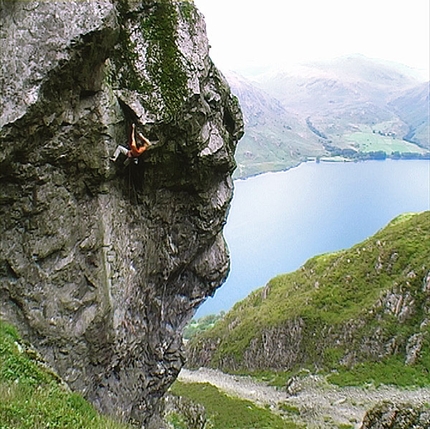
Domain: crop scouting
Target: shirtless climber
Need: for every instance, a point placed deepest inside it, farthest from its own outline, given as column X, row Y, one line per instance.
column 136, row 147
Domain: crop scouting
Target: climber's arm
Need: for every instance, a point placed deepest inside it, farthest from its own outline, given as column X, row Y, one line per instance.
column 133, row 146
column 144, row 140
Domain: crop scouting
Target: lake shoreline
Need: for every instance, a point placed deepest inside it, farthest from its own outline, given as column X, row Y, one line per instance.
column 328, row 160
column 278, row 220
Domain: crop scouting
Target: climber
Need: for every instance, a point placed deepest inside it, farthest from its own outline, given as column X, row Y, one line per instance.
column 136, row 147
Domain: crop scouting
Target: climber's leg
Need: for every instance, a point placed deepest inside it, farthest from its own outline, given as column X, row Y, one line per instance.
column 119, row 149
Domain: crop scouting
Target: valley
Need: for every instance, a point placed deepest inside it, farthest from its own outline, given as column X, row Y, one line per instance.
column 279, row 220
column 104, row 261
column 352, row 108
column 356, row 111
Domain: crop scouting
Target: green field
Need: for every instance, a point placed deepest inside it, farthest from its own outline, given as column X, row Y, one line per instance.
column 367, row 141
column 227, row 412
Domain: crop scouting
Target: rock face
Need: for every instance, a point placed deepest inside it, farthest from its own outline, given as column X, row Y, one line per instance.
column 403, row 416
column 102, row 264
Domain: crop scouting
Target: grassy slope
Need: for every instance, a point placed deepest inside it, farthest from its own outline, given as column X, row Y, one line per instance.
column 227, row 412
column 263, row 150
column 33, row 398
column 333, row 289
column 413, row 108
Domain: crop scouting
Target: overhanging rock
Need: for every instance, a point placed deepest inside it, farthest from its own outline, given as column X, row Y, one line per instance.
column 102, row 265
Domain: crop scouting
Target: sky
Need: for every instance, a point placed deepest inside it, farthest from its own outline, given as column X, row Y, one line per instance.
column 250, row 34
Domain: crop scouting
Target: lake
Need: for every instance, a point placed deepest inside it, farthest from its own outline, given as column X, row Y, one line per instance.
column 277, row 221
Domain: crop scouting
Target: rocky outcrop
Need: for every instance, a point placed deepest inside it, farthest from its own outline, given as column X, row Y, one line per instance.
column 188, row 413
column 102, row 264
column 401, row 416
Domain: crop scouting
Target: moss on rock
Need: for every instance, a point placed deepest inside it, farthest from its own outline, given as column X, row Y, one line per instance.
column 164, row 61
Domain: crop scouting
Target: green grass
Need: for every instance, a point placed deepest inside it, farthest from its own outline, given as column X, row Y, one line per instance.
column 230, row 413
column 389, row 371
column 195, row 327
column 32, row 397
column 373, row 142
column 290, row 409
column 272, row 378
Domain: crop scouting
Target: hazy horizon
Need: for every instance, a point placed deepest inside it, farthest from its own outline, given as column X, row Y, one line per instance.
column 247, row 37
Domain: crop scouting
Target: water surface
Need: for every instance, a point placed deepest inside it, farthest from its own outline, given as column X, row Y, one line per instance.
column 279, row 220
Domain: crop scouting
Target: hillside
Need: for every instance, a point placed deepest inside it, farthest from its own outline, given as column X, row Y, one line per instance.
column 352, row 106
column 413, row 108
column 275, row 138
column 364, row 310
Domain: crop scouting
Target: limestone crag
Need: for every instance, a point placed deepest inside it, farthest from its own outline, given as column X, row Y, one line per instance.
column 102, row 264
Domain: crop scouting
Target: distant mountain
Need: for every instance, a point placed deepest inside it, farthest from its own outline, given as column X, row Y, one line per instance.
column 349, row 106
column 355, row 307
column 413, row 108
column 331, row 87
column 275, row 138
